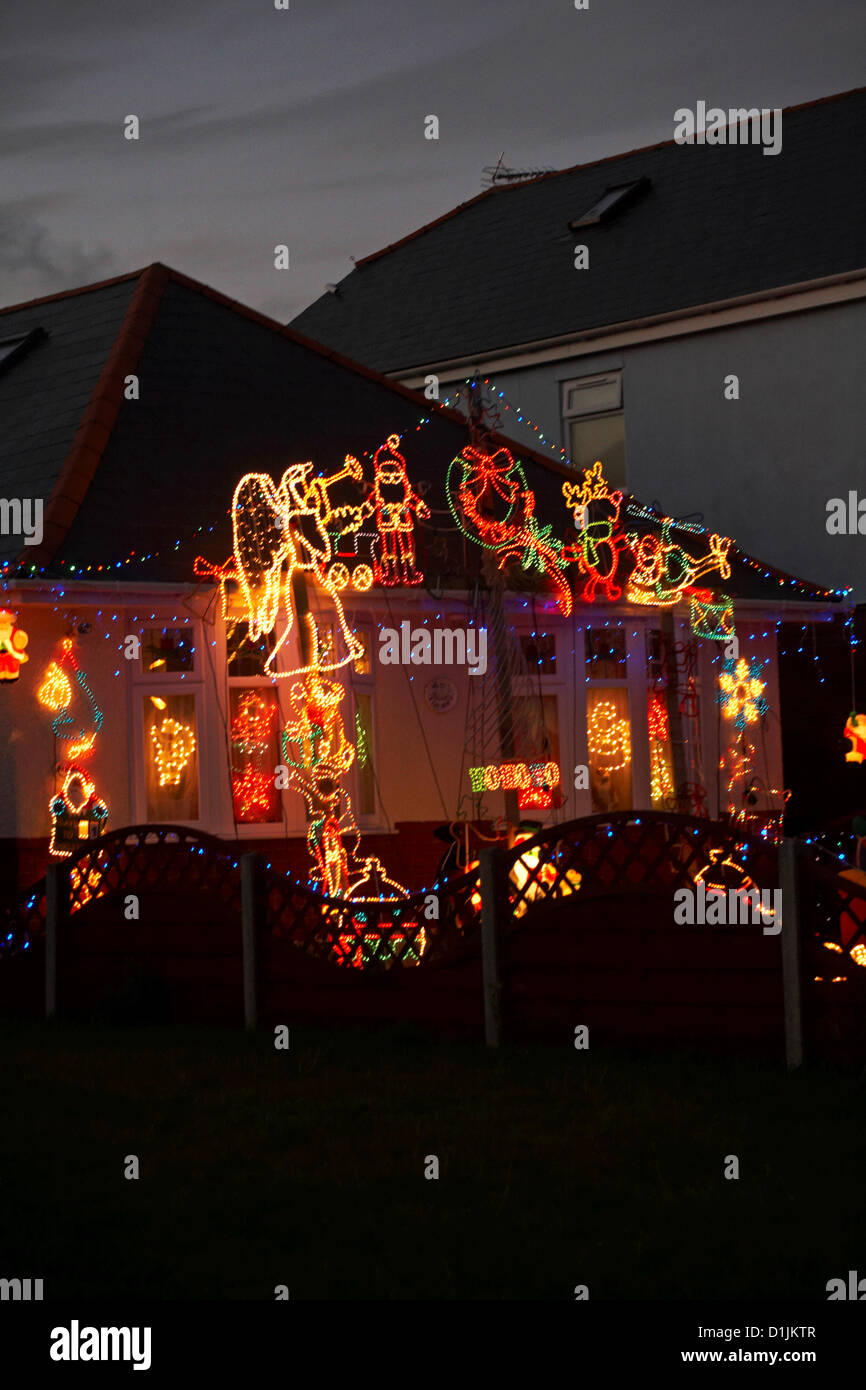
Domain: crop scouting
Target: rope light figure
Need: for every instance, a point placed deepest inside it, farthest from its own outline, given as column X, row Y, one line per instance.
column 173, row 744
column 741, row 691
column 252, row 784
column 600, row 540
column 281, row 536
column 609, row 739
column 396, row 505
column 72, row 820
column 56, row 694
column 493, row 505
column 665, row 572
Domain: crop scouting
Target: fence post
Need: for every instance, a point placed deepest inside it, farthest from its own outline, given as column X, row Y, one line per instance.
column 252, row 924
column 56, row 918
column 494, row 908
column 792, row 965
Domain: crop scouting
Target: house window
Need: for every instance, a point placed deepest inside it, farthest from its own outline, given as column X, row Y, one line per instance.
column 171, row 757
column 608, row 731
column 606, row 657
column 595, row 424
column 536, row 740
column 167, row 649
column 539, row 653
column 255, row 754
column 12, row 349
column 613, row 200
column 246, row 658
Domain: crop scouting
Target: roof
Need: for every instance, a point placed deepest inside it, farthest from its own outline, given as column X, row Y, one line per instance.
column 135, row 488
column 716, row 223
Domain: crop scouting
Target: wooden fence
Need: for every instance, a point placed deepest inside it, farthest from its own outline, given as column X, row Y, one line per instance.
column 573, row 928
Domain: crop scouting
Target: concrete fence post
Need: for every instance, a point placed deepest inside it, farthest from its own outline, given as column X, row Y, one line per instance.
column 57, row 888
column 792, row 953
column 494, row 911
column 252, row 927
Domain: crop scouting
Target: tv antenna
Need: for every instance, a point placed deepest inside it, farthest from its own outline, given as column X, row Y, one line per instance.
column 494, row 175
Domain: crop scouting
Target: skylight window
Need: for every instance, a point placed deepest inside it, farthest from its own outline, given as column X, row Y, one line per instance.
column 13, row 348
column 611, row 201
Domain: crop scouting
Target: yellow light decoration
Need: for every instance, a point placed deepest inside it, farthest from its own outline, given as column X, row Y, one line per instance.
column 173, row 745
column 665, row 572
column 281, row 530
column 609, row 739
column 544, row 884
column 55, row 692
column 741, row 691
column 713, row 875
column 855, row 731
column 12, row 643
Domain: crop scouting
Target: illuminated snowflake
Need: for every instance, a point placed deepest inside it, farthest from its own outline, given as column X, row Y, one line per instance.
column 741, row 691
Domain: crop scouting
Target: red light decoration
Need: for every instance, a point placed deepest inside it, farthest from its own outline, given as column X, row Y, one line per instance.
column 664, row 572
column 253, row 787
column 74, row 820
column 600, row 540
column 12, row 643
column 478, row 486
column 507, row 777
column 396, row 505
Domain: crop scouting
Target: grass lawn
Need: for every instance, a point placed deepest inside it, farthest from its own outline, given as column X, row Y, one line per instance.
column 306, row 1168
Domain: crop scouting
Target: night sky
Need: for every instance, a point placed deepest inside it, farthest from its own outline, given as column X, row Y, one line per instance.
column 305, row 126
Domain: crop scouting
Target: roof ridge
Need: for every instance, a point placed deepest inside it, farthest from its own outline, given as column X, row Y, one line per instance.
column 558, row 173
column 100, row 414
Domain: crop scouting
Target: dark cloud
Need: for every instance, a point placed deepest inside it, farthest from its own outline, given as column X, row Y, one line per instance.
column 34, row 262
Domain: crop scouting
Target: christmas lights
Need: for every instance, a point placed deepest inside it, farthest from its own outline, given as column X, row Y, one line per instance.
column 172, row 744
column 253, row 785
column 664, row 571
column 711, row 617
column 56, row 694
column 12, row 643
column 855, row 731
column 609, row 739
column 661, row 777
column 476, row 483
column 75, row 819
column 741, row 691
column 395, row 502
column 279, row 530
column 600, row 540
column 720, row 876
column 514, row 777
